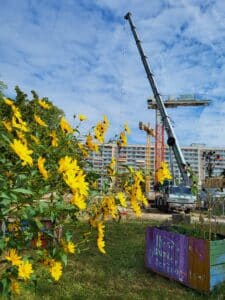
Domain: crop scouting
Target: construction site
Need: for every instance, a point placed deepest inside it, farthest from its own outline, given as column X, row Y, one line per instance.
column 197, row 171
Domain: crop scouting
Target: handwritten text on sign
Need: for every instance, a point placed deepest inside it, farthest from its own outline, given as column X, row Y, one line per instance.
column 167, row 252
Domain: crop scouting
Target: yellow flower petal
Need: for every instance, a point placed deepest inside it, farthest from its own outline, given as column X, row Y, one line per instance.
column 25, row 270
column 56, row 270
column 82, row 117
column 39, row 121
column 22, row 151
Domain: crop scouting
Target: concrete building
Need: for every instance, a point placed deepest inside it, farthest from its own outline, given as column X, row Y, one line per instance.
column 134, row 155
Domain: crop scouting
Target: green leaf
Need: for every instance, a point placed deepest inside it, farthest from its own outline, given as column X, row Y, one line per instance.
column 63, row 258
column 4, row 195
column 22, row 191
column 5, row 287
column 68, row 235
column 2, row 244
column 13, row 197
column 54, row 251
column 5, row 201
column 6, row 138
column 38, row 224
column 21, row 176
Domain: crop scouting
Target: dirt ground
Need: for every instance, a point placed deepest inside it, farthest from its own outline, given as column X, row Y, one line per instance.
column 153, row 215
column 156, row 215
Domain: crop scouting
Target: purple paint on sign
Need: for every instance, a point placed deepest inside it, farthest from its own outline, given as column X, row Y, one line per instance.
column 167, row 253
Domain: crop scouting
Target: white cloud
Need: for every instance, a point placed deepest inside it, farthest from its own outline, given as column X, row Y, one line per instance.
column 81, row 54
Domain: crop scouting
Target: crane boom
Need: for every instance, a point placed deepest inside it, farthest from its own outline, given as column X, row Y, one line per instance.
column 172, row 140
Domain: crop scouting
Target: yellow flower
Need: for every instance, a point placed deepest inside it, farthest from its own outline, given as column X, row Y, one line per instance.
column 25, row 270
column 16, row 111
column 131, row 169
column 66, row 128
column 48, row 261
column 35, row 139
column 83, row 150
column 7, row 125
column 14, row 257
column 126, row 128
column 21, row 137
column 39, row 240
column 100, row 241
column 56, row 270
column 15, row 288
column 101, row 245
column 67, row 163
column 79, row 201
column 44, row 104
column 122, row 199
column 13, row 227
column 8, row 101
column 101, row 227
column 123, row 139
column 99, row 136
column 109, row 206
column 94, row 184
column 144, row 200
column 163, row 173
column 80, row 184
column 82, row 117
column 41, row 167
column 75, row 179
column 138, row 176
column 17, row 121
column 54, row 138
column 71, row 247
column 136, row 208
column 90, row 144
column 68, row 247
column 39, row 121
column 100, row 129
column 106, row 121
column 112, row 167
column 22, row 151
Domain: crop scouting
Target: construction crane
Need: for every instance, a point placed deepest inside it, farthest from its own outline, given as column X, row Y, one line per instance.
column 149, row 132
column 170, row 102
column 170, row 198
column 172, row 140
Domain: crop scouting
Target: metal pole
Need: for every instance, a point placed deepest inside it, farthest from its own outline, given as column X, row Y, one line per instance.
column 171, row 165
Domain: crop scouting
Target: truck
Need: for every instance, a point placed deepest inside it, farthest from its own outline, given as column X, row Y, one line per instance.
column 178, row 197
column 175, row 198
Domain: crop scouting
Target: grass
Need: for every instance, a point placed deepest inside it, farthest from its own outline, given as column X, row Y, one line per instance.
column 120, row 274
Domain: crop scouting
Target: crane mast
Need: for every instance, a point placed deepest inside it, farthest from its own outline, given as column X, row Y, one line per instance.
column 172, row 140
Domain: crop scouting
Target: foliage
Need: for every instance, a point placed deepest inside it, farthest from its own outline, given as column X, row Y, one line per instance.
column 3, row 86
column 45, row 184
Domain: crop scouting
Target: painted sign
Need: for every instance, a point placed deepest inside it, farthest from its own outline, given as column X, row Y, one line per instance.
column 185, row 259
column 166, row 253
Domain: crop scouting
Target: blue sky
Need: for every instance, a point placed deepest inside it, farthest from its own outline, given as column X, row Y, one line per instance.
column 82, row 55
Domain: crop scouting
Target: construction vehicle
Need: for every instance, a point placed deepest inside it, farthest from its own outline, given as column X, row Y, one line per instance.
column 164, row 199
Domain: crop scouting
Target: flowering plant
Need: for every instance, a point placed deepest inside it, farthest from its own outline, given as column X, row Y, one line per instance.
column 163, row 173
column 45, row 184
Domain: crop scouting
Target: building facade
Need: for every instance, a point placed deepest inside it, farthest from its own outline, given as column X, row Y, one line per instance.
column 135, row 156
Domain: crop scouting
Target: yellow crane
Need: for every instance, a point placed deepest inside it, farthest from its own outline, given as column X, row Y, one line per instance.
column 149, row 132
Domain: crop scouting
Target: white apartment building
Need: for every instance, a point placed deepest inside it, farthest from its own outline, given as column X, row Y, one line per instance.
column 134, row 155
